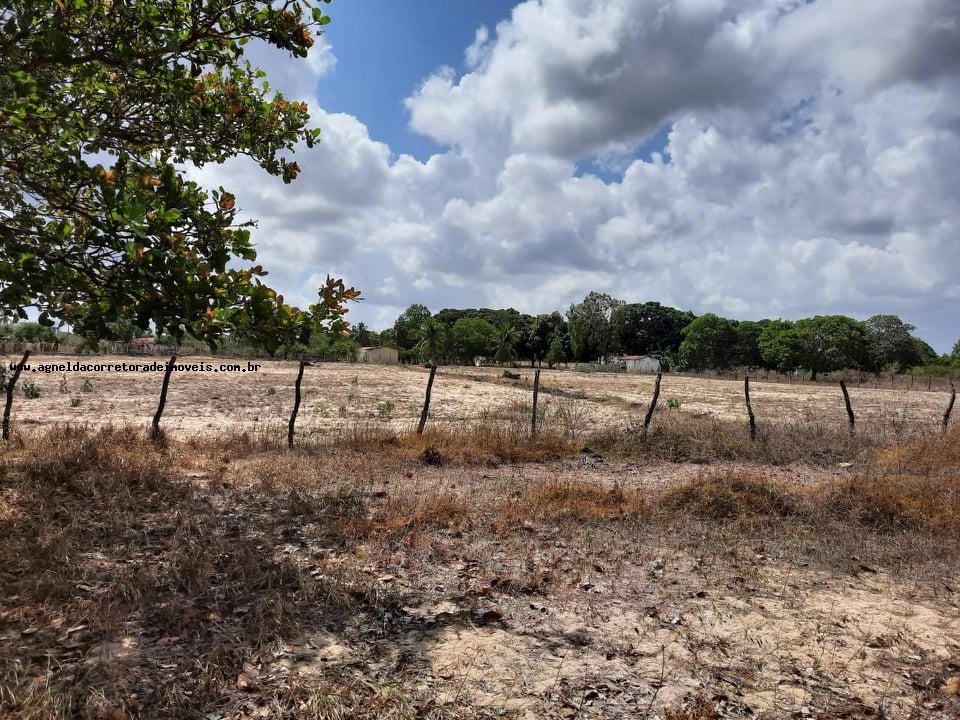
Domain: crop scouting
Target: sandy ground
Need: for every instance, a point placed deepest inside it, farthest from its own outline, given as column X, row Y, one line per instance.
column 336, row 395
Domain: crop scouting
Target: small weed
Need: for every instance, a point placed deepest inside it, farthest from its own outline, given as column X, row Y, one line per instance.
column 355, row 380
column 87, row 386
column 271, row 390
column 74, row 402
column 63, row 385
column 31, row 391
column 673, row 404
column 385, row 408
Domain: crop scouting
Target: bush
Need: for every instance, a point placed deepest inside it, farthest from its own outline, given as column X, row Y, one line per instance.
column 385, row 408
column 31, row 390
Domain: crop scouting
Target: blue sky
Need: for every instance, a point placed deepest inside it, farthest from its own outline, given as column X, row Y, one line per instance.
column 650, row 149
column 386, row 49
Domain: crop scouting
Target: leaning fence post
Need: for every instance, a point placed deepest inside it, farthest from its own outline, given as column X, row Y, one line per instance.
column 155, row 426
column 653, row 404
column 426, row 400
column 946, row 415
column 10, row 386
column 846, row 399
column 536, row 393
column 753, row 421
column 296, row 404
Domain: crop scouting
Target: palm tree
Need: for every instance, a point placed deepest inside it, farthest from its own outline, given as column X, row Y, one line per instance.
column 503, row 349
column 433, row 340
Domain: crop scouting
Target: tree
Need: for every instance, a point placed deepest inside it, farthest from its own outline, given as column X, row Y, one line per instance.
column 433, row 341
column 648, row 328
column 364, row 336
column 889, row 342
column 748, row 353
column 542, row 332
column 472, row 337
column 819, row 344
column 925, row 354
column 146, row 87
column 406, row 330
column 33, row 332
column 955, row 354
column 589, row 325
column 504, row 346
column 556, row 354
column 710, row 341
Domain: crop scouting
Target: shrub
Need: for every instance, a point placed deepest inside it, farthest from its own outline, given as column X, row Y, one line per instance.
column 385, row 408
column 31, row 390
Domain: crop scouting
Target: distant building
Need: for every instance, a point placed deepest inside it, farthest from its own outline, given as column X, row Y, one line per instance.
column 639, row 363
column 380, row 355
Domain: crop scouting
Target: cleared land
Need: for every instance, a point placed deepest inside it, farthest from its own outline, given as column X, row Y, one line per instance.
column 338, row 395
column 472, row 572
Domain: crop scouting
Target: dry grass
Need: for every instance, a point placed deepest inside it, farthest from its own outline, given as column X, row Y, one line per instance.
column 146, row 579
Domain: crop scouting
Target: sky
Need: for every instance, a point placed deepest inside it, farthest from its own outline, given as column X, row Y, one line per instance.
column 755, row 159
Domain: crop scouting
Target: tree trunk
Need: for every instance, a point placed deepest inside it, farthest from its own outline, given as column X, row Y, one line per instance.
column 536, row 393
column 155, row 426
column 846, row 400
column 653, row 404
column 296, row 404
column 426, row 401
column 10, row 386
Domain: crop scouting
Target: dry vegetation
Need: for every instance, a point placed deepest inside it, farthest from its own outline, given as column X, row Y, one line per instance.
column 472, row 572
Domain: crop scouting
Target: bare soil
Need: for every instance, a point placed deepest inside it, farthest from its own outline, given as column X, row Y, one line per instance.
column 338, row 395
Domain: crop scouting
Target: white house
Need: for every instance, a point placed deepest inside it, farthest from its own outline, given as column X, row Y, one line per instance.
column 639, row 363
column 380, row 355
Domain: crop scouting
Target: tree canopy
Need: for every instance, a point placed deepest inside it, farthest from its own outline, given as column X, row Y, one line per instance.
column 102, row 105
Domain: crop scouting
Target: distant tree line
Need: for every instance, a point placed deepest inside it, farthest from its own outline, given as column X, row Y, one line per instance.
column 597, row 328
column 600, row 327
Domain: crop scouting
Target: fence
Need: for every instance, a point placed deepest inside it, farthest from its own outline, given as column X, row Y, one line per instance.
column 763, row 376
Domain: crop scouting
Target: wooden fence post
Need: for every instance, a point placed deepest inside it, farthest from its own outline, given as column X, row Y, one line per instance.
column 946, row 415
column 753, row 421
column 296, row 404
column 10, row 385
column 653, row 404
column 846, row 399
column 155, row 426
column 536, row 393
column 426, row 400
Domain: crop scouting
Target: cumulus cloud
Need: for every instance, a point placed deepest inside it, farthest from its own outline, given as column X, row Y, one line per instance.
column 810, row 166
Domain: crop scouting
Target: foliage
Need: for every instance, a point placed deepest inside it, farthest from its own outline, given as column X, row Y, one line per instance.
column 818, row 344
column 33, row 332
column 145, row 87
column 648, row 328
column 710, row 341
column 889, row 342
column 31, row 391
column 472, row 337
column 504, row 346
column 557, row 353
column 924, row 353
column 433, row 341
column 406, row 330
column 591, row 335
column 385, row 408
column 364, row 336
column 543, row 331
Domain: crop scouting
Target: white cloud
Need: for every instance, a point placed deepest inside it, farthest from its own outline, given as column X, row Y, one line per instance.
column 811, row 165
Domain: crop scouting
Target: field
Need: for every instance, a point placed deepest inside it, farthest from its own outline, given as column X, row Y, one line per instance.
column 473, row 572
column 339, row 395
